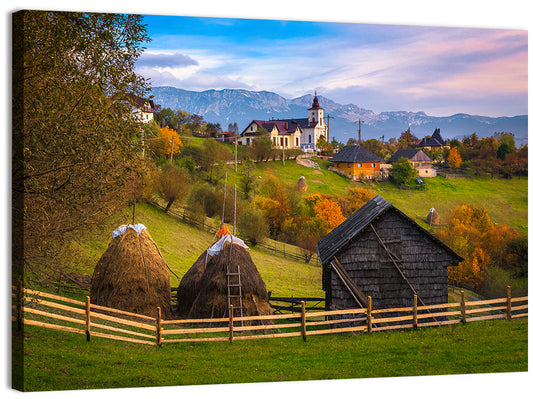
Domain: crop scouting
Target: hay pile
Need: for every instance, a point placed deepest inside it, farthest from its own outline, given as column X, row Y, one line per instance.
column 202, row 292
column 433, row 217
column 302, row 184
column 132, row 275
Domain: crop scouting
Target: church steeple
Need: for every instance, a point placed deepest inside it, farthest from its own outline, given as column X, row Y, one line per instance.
column 315, row 105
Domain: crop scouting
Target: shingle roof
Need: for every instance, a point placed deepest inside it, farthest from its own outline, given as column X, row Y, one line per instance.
column 412, row 154
column 355, row 153
column 343, row 234
column 435, row 140
column 284, row 127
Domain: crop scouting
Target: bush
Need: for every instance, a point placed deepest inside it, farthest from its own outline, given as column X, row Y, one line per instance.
column 496, row 281
column 252, row 225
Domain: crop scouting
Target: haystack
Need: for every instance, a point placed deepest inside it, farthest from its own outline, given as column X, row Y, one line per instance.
column 132, row 275
column 433, row 217
column 302, row 184
column 202, row 292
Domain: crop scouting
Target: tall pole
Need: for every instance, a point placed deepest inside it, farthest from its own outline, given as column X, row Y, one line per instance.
column 360, row 130
column 328, row 126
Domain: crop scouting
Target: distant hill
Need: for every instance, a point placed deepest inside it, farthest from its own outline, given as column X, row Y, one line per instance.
column 242, row 106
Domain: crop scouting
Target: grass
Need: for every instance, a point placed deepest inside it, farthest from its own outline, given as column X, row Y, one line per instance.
column 59, row 361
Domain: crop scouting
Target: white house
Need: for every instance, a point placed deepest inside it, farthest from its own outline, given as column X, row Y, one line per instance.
column 144, row 109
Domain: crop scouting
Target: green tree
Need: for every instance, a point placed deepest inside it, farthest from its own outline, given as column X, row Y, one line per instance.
column 403, row 172
column 76, row 139
column 174, row 184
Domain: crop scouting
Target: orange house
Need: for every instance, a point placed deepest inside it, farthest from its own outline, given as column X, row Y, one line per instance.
column 357, row 163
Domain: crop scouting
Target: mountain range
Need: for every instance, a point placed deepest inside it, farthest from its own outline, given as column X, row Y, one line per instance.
column 242, row 106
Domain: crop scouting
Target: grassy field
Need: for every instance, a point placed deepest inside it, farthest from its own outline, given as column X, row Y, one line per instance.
column 60, row 361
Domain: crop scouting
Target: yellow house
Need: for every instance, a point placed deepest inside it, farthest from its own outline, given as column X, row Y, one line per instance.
column 357, row 163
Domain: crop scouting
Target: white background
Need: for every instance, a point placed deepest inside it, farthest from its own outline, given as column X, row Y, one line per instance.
column 510, row 14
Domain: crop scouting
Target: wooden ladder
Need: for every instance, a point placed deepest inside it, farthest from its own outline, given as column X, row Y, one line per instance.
column 233, row 280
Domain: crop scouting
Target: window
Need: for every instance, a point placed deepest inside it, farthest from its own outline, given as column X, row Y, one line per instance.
column 286, row 141
column 359, row 165
column 251, row 128
column 309, row 138
column 349, row 165
column 373, row 165
column 297, row 142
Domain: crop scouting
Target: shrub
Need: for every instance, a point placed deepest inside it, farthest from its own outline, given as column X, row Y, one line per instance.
column 252, row 225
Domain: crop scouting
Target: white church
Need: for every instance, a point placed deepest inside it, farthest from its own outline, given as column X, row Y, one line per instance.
column 290, row 133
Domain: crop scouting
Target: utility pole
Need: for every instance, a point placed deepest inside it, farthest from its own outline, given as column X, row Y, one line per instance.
column 328, row 125
column 360, row 121
column 235, row 140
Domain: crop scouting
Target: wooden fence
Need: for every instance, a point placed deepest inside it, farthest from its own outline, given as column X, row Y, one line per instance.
column 65, row 314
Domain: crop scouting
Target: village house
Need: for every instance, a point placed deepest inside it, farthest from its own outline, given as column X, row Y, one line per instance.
column 291, row 133
column 418, row 158
column 144, row 109
column 433, row 142
column 357, row 163
column 282, row 134
column 382, row 253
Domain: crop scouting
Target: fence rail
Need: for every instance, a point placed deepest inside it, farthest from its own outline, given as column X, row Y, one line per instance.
column 65, row 314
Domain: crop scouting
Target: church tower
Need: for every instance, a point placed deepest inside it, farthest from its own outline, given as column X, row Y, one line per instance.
column 316, row 114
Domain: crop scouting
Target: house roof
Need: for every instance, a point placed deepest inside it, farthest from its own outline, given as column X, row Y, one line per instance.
column 412, row 154
column 343, row 234
column 284, row 127
column 435, row 140
column 355, row 153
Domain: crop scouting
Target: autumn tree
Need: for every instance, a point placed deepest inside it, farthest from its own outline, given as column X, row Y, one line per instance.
column 171, row 141
column 454, row 158
column 76, row 140
column 329, row 211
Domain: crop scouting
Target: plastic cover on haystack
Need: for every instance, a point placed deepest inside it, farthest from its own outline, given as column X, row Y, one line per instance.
column 122, row 229
column 217, row 246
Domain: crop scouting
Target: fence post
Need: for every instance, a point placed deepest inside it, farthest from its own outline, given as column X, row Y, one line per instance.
column 509, row 309
column 230, row 324
column 415, row 312
column 369, row 315
column 463, row 308
column 158, row 327
column 304, row 332
column 88, row 318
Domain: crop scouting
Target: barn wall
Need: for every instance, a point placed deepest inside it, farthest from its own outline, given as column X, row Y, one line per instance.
column 423, row 262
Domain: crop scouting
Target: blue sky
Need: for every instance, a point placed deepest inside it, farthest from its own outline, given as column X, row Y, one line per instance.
column 439, row 70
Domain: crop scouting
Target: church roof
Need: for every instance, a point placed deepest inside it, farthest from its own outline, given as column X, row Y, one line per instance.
column 315, row 105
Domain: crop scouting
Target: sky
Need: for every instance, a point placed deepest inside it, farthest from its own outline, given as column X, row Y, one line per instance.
column 382, row 67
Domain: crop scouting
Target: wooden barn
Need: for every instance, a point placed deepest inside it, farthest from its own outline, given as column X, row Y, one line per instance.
column 381, row 252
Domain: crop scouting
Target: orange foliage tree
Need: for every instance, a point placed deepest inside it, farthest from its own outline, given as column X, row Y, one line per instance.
column 454, row 158
column 171, row 141
column 329, row 211
column 471, row 233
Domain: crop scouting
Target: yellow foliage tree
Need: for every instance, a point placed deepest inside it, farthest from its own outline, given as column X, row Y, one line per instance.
column 171, row 139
